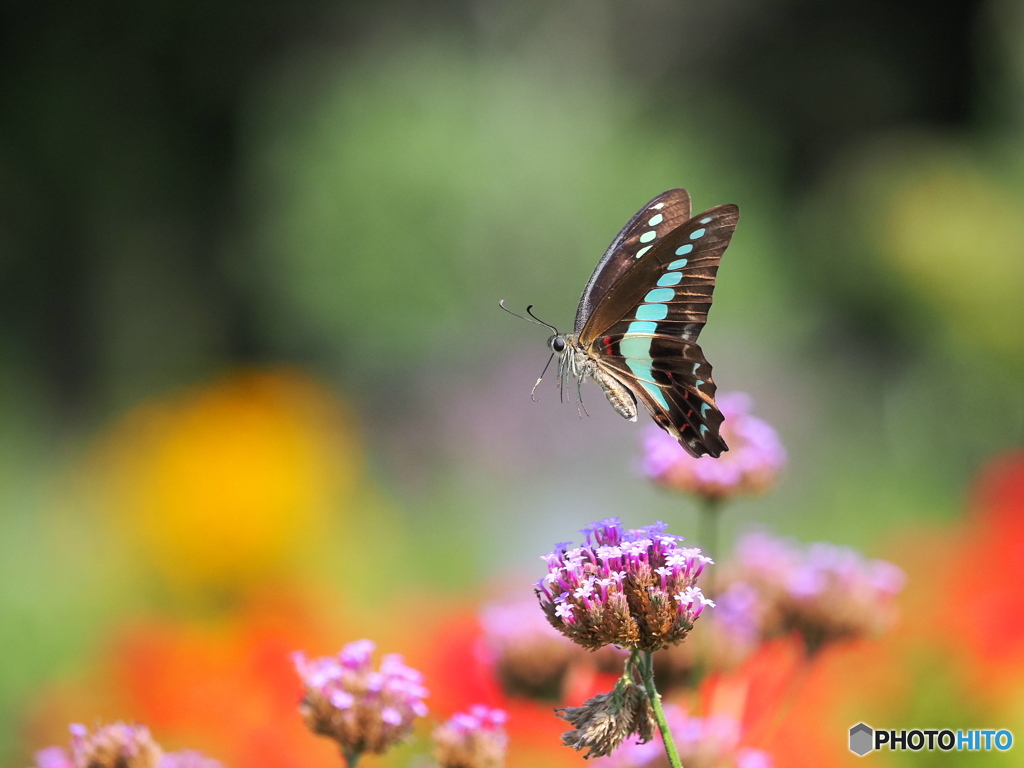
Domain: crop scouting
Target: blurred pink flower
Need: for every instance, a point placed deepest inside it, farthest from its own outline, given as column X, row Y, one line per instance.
column 824, row 592
column 53, row 757
column 117, row 745
column 530, row 657
column 474, row 739
column 750, row 466
column 363, row 709
column 188, row 759
column 703, row 742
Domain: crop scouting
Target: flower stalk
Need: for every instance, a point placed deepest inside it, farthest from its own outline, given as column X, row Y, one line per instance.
column 646, row 666
column 710, row 512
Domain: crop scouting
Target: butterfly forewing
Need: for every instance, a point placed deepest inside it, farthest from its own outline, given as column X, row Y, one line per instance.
column 678, row 274
column 636, row 240
column 644, row 330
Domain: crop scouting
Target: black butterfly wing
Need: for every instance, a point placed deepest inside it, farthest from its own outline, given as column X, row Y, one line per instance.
column 656, row 219
column 644, row 330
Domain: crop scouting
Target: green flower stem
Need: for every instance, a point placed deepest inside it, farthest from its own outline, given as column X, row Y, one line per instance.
column 351, row 758
column 710, row 511
column 647, row 668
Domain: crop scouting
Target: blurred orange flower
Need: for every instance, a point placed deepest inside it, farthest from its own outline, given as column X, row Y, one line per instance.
column 226, row 687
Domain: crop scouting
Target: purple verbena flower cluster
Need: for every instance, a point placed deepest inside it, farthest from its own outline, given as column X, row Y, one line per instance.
column 474, row 739
column 363, row 709
column 635, row 589
column 118, row 745
column 751, row 465
column 824, row 592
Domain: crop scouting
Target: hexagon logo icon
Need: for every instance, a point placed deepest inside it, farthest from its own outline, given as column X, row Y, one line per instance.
column 861, row 739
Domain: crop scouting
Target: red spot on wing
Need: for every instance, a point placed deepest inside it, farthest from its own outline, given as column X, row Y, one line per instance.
column 607, row 345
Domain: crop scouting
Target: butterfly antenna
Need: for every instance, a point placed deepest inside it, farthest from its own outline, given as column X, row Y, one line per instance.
column 549, row 325
column 539, row 380
column 536, row 321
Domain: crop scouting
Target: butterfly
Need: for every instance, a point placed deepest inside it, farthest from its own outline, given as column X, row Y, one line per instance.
column 640, row 315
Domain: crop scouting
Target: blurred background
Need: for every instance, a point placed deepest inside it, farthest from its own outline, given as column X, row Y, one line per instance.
column 256, row 393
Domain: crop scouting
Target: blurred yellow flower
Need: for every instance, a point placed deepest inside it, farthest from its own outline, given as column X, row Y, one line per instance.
column 229, row 483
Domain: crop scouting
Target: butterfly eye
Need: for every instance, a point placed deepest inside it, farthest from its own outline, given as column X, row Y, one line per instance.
column 558, row 344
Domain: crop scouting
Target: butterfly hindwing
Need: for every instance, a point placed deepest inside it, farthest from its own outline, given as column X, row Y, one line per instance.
column 673, row 380
column 657, row 218
column 644, row 330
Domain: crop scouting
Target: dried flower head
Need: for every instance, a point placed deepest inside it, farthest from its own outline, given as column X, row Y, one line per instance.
column 474, row 739
column 635, row 589
column 530, row 657
column 363, row 709
column 750, row 467
column 703, row 742
column 117, row 745
column 824, row 592
column 605, row 721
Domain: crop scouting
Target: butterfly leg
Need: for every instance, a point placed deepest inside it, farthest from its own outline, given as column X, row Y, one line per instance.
column 562, row 370
column 579, row 397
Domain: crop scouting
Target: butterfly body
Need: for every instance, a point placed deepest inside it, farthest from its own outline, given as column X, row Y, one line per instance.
column 641, row 312
column 582, row 365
